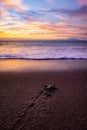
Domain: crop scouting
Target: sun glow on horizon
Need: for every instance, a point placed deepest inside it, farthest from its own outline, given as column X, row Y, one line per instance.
column 43, row 20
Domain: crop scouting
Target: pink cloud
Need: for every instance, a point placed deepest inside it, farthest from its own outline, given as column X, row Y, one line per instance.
column 16, row 4
column 83, row 2
column 11, row 2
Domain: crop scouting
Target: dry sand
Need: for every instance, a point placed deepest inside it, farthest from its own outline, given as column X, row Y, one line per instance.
column 25, row 105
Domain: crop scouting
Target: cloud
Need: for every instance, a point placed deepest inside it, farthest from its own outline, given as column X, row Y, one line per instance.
column 82, row 11
column 11, row 2
column 41, row 30
column 16, row 21
column 83, row 2
column 15, row 4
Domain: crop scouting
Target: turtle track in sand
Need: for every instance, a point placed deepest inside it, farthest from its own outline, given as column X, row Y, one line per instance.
column 34, row 106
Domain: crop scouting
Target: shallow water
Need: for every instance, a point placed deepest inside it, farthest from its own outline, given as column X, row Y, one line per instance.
column 43, row 50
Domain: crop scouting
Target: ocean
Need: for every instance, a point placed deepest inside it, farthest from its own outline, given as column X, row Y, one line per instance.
column 43, row 50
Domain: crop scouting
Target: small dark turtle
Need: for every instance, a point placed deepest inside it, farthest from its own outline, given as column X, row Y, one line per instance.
column 50, row 88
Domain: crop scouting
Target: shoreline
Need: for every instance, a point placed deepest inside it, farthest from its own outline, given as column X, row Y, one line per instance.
column 41, row 65
column 38, row 59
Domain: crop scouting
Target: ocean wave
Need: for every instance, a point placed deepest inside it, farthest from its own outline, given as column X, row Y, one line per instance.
column 51, row 58
column 43, row 50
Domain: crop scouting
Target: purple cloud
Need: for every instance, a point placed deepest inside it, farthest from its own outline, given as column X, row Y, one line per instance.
column 82, row 11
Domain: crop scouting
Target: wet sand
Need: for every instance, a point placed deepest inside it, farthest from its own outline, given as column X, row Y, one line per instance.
column 25, row 105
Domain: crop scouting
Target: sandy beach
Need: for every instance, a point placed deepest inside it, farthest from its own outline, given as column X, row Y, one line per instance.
column 25, row 105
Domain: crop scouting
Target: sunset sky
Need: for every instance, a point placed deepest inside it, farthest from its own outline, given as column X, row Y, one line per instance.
column 43, row 19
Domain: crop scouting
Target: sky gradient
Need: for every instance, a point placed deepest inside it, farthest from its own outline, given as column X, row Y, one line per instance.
column 43, row 19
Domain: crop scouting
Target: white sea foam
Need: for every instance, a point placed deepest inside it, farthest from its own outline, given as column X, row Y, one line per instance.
column 43, row 50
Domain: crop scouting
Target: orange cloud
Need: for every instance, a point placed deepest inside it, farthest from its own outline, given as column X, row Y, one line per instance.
column 59, row 30
column 11, row 2
column 16, row 4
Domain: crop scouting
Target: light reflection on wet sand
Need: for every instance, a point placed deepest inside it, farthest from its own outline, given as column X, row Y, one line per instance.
column 41, row 65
